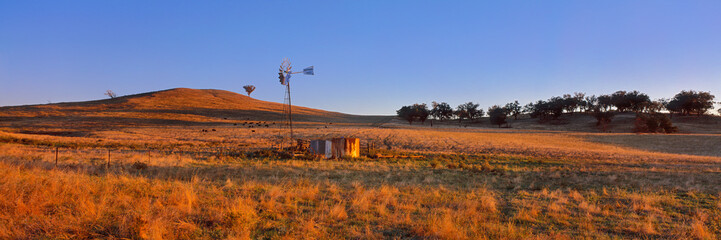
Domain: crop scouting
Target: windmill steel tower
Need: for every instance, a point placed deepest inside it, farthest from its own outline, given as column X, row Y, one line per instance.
column 284, row 74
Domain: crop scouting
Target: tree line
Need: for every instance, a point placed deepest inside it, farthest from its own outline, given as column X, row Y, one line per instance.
column 602, row 107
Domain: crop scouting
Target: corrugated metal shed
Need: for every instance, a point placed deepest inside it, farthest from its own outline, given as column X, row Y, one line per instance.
column 346, row 147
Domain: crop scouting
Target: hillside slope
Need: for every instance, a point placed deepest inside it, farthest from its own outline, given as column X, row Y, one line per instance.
column 179, row 106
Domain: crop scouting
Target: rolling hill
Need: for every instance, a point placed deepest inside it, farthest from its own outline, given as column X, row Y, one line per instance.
column 179, row 106
column 207, row 107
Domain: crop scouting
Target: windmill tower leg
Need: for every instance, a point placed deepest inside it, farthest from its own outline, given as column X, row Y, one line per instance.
column 290, row 115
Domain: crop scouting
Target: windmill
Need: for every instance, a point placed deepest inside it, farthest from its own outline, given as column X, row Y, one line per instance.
column 284, row 74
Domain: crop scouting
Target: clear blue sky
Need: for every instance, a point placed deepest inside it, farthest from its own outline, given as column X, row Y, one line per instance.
column 371, row 57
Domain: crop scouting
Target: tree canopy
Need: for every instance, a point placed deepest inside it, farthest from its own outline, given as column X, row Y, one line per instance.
column 469, row 110
column 414, row 112
column 442, row 111
column 497, row 115
column 514, row 109
column 691, row 102
column 249, row 89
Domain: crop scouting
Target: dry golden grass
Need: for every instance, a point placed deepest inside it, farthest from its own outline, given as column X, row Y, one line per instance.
column 171, row 180
column 515, row 197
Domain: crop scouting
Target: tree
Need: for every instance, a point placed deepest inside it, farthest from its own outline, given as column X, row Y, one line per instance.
column 513, row 109
column 249, row 89
column 590, row 103
column 689, row 102
column 637, row 101
column 460, row 114
column 478, row 114
column 468, row 110
column 620, row 101
column 536, row 110
column 497, row 115
column 634, row 101
column 654, row 106
column 545, row 109
column 421, row 112
column 673, row 106
column 555, row 107
column 406, row 113
column 441, row 111
column 570, row 103
column 605, row 102
column 529, row 109
column 580, row 99
column 414, row 112
column 110, row 94
column 434, row 110
column 703, row 103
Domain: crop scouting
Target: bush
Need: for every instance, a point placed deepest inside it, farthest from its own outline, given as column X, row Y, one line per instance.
column 653, row 123
column 603, row 117
column 269, row 154
column 140, row 165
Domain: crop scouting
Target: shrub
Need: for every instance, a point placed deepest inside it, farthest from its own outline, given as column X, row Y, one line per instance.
column 653, row 123
column 140, row 165
column 603, row 118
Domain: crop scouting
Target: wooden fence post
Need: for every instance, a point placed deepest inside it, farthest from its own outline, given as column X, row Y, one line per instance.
column 108, row 165
column 56, row 156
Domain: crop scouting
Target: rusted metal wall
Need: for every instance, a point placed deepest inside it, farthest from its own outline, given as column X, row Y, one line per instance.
column 345, row 147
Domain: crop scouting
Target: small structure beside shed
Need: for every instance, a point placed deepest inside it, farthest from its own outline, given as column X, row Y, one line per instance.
column 335, row 148
column 321, row 148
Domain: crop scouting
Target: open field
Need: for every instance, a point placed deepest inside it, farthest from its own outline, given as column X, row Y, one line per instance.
column 169, row 179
